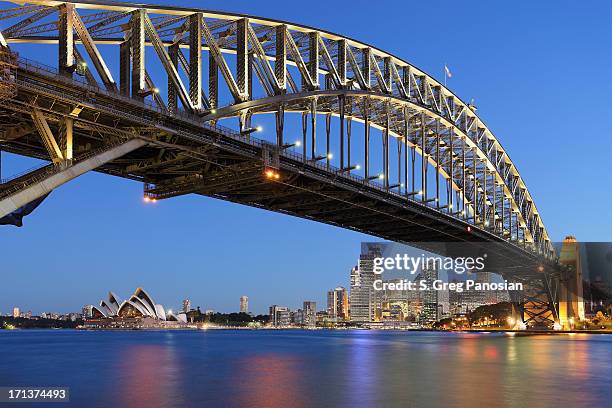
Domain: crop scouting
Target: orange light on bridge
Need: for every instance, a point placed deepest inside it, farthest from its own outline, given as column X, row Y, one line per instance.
column 271, row 174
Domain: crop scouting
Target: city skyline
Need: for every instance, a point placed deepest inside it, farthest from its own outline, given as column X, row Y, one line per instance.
column 100, row 207
column 358, row 302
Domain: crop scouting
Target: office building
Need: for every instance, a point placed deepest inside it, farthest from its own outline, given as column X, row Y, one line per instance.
column 310, row 313
column 186, row 305
column 338, row 304
column 244, row 304
column 429, row 313
column 87, row 309
column 16, row 312
column 363, row 297
column 279, row 315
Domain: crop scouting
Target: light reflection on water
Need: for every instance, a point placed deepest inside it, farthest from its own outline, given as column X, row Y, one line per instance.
column 305, row 369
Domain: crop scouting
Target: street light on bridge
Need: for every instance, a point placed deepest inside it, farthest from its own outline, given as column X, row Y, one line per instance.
column 248, row 131
column 380, row 176
column 297, row 143
column 349, row 168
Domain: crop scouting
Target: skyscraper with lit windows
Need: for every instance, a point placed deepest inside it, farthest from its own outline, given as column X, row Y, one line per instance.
column 244, row 304
column 338, row 304
column 364, row 299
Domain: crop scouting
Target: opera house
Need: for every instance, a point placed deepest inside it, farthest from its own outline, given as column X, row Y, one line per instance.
column 139, row 311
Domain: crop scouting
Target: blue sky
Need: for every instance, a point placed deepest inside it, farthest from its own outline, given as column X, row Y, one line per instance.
column 539, row 73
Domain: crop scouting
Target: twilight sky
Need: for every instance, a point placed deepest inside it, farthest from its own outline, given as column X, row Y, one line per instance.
column 539, row 73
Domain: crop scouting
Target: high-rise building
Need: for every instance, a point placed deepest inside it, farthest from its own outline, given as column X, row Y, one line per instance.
column 16, row 312
column 296, row 317
column 87, row 311
column 310, row 313
column 244, row 304
column 186, row 305
column 364, row 299
column 279, row 315
column 429, row 313
column 338, row 304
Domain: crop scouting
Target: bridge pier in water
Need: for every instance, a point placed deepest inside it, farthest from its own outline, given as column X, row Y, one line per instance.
column 571, row 302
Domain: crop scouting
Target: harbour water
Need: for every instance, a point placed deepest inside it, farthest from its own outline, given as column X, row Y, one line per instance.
column 297, row 368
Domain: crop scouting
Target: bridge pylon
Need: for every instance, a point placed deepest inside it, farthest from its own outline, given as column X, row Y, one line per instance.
column 571, row 301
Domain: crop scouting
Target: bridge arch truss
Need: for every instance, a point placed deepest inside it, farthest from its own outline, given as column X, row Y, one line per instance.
column 436, row 151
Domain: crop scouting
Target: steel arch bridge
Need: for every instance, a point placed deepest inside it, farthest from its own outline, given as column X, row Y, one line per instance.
column 142, row 92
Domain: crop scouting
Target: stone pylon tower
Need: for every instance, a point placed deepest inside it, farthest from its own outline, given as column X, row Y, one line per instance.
column 571, row 303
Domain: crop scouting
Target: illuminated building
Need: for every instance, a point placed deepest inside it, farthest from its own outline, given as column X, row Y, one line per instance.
column 16, row 312
column 429, row 313
column 186, row 305
column 279, row 315
column 364, row 298
column 244, row 304
column 310, row 313
column 86, row 311
column 140, row 309
column 338, row 304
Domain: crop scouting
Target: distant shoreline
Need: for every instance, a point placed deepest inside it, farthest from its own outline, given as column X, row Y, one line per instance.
column 270, row 329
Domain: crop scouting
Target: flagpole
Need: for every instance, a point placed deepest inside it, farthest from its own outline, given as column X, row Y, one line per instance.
column 445, row 74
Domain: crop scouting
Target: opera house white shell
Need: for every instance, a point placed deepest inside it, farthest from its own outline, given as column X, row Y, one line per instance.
column 139, row 305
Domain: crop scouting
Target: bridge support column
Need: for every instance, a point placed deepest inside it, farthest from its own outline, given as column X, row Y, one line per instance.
column 137, row 42
column 195, row 60
column 538, row 305
column 47, row 137
column 66, row 40
column 173, row 53
column 366, row 138
column 124, row 67
column 571, row 302
column 280, row 125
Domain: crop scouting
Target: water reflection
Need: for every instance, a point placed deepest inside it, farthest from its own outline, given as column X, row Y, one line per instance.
column 148, row 376
column 310, row 369
column 362, row 369
column 267, row 380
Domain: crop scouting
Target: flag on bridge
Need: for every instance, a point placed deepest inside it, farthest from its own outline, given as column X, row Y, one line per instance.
column 447, row 71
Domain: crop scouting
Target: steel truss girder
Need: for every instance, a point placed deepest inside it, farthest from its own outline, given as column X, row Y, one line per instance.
column 479, row 155
column 402, row 80
column 91, row 48
column 167, row 64
column 47, row 137
column 39, row 188
column 195, row 60
column 220, row 62
column 539, row 304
